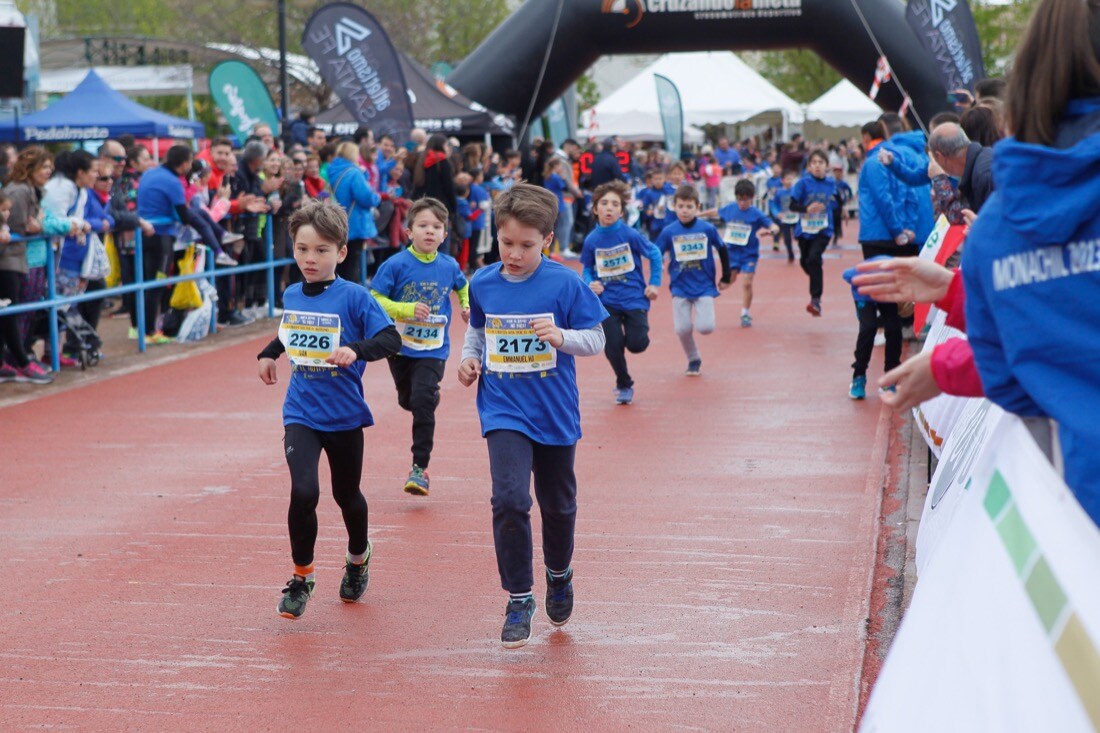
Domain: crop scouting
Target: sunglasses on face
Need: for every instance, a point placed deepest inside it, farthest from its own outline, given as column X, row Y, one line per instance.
column 103, row 178
column 118, row 158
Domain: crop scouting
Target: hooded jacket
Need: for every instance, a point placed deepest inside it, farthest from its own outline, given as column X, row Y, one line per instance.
column 881, row 201
column 351, row 191
column 438, row 183
column 909, row 149
column 977, row 179
column 1031, row 269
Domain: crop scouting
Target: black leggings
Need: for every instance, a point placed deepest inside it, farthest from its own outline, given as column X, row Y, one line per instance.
column 10, row 336
column 344, row 448
column 811, row 250
column 417, row 382
column 156, row 250
column 624, row 331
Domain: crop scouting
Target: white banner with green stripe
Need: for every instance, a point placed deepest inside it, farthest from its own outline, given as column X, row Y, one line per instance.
column 1003, row 630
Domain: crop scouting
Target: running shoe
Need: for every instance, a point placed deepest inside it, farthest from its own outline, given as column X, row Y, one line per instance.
column 231, row 237
column 517, row 622
column 159, row 339
column 67, row 362
column 814, row 308
column 624, row 396
column 34, row 374
column 356, row 578
column 559, row 598
column 858, row 388
column 694, row 368
column 233, row 320
column 296, row 594
column 7, row 373
column 132, row 334
column 892, row 389
column 5, row 302
column 225, row 260
column 417, row 482
column 746, row 321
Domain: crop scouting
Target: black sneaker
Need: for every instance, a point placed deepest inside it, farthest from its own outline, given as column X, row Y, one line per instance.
column 559, row 598
column 356, row 578
column 297, row 592
column 236, row 318
column 517, row 622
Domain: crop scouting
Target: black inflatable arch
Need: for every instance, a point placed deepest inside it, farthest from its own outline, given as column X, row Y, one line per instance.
column 503, row 71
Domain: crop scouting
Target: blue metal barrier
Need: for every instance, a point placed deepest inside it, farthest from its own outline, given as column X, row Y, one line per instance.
column 54, row 304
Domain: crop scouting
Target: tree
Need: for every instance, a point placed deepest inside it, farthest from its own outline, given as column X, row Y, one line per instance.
column 802, row 75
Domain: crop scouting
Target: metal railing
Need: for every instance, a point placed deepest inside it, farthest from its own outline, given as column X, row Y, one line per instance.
column 55, row 303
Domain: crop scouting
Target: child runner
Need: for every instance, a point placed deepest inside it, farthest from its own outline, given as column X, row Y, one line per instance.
column 742, row 224
column 692, row 244
column 612, row 260
column 480, row 203
column 529, row 318
column 780, row 209
column 813, row 197
column 656, row 200
column 330, row 328
column 843, row 196
column 414, row 287
column 869, row 311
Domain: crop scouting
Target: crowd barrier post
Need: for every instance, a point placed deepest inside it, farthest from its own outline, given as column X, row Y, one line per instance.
column 364, row 257
column 139, row 292
column 208, row 266
column 269, row 244
column 51, row 293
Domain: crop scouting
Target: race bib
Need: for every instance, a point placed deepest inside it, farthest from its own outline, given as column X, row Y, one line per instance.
column 512, row 346
column 737, row 235
column 309, row 338
column 423, row 335
column 788, row 217
column 689, row 247
column 614, row 261
column 661, row 207
column 814, row 223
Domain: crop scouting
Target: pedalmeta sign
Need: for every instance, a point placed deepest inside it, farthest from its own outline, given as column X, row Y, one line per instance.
column 635, row 10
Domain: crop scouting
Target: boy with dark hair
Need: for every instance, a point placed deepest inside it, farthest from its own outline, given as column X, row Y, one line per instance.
column 612, row 260
column 330, row 329
column 691, row 244
column 414, row 288
column 813, row 198
column 655, row 200
column 529, row 318
column 742, row 224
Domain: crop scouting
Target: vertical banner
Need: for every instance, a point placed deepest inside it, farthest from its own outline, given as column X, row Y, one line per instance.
column 359, row 63
column 557, row 119
column 946, row 30
column 672, row 115
column 242, row 97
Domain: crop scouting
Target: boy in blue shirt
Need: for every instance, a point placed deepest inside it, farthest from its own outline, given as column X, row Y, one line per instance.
column 612, row 260
column 330, row 329
column 480, row 203
column 529, row 318
column 813, row 197
column 779, row 206
column 691, row 244
column 656, row 201
column 843, row 197
column 414, row 288
column 742, row 223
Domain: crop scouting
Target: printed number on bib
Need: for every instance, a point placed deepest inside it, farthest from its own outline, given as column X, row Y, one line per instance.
column 690, row 247
column 512, row 346
column 788, row 217
column 738, row 235
column 614, row 261
column 309, row 338
column 814, row 223
column 423, row 335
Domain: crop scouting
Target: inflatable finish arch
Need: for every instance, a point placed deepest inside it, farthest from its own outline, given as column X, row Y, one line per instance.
column 503, row 71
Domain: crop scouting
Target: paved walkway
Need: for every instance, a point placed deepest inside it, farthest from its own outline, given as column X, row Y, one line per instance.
column 724, row 551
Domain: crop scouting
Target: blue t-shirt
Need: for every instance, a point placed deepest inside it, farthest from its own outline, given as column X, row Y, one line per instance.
column 691, row 253
column 727, row 158
column 780, row 203
column 555, row 184
column 656, row 207
column 479, row 199
column 752, row 217
column 605, row 249
column 544, row 406
column 160, row 192
column 330, row 398
column 406, row 279
column 810, row 190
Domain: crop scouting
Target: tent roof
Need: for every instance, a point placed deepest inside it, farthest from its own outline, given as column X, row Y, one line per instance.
column 716, row 87
column 436, row 106
column 94, row 111
column 843, row 106
column 127, row 79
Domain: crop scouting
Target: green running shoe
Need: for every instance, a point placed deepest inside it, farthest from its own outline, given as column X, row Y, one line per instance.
column 296, row 594
column 356, row 578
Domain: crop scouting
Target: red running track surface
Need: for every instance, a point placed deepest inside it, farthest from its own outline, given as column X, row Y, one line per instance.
column 724, row 551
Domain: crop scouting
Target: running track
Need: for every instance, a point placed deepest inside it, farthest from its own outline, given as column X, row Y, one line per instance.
column 724, row 552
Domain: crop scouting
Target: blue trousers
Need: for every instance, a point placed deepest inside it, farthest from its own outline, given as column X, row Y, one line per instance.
column 513, row 457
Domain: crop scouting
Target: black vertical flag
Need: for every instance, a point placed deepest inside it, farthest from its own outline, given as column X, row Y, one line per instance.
column 946, row 30
column 359, row 63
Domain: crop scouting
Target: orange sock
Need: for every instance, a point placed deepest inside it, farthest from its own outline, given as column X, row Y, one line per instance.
column 303, row 571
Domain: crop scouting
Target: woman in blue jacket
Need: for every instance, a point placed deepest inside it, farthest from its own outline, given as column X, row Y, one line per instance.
column 1031, row 265
column 351, row 190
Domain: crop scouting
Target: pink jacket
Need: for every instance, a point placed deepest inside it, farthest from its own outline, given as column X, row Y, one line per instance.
column 953, row 365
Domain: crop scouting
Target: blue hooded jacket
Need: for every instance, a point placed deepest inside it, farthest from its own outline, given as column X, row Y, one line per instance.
column 881, row 201
column 910, row 158
column 351, row 190
column 1031, row 268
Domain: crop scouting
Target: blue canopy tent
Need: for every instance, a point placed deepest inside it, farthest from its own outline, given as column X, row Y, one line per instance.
column 95, row 111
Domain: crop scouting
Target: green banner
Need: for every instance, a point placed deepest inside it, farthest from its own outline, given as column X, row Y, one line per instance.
column 672, row 115
column 242, row 97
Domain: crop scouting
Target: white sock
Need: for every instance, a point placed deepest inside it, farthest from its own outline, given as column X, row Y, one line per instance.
column 744, row 311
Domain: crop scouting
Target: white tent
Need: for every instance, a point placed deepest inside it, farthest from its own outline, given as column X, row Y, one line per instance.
column 843, row 106
column 131, row 80
column 716, row 87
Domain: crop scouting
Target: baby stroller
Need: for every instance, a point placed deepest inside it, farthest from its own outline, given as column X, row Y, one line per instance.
column 81, row 340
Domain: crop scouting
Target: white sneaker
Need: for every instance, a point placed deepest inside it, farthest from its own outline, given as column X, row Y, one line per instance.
column 225, row 260
column 4, row 302
column 568, row 254
column 231, row 237
column 880, row 339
